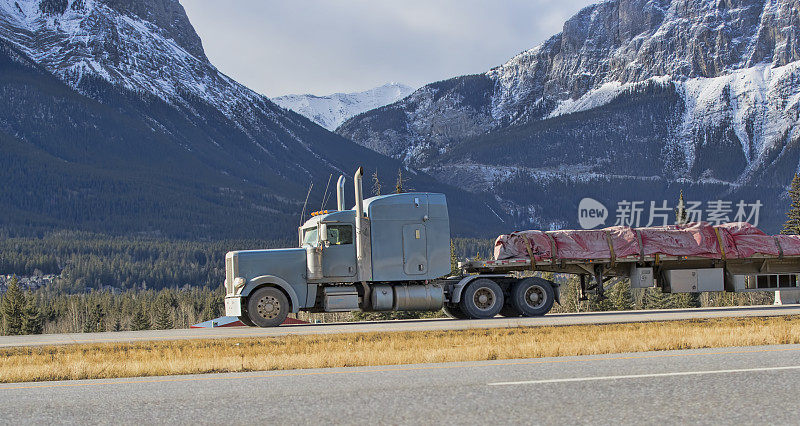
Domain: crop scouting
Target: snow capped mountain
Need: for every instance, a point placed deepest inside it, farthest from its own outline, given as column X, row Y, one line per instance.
column 605, row 49
column 147, row 47
column 333, row 110
column 684, row 91
column 112, row 119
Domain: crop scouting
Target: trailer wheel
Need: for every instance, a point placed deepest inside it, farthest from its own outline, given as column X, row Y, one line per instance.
column 482, row 298
column 267, row 307
column 454, row 312
column 532, row 296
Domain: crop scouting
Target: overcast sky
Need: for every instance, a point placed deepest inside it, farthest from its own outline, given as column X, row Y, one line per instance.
column 278, row 47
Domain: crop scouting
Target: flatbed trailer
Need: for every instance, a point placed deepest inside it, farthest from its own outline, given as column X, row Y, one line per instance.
column 672, row 274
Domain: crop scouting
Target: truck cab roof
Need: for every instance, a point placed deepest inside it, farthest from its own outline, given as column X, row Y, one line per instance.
column 377, row 205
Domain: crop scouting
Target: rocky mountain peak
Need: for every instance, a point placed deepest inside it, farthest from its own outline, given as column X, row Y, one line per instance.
column 168, row 15
column 629, row 41
column 147, row 46
column 681, row 92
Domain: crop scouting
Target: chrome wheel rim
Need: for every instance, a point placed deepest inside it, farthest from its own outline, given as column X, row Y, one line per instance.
column 535, row 297
column 269, row 307
column 484, row 298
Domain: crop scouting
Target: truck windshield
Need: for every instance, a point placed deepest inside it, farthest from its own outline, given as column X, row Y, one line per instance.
column 310, row 237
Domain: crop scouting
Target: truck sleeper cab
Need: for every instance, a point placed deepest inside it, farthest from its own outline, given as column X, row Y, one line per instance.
column 388, row 253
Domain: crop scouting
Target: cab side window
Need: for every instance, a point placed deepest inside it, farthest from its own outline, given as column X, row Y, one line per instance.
column 340, row 234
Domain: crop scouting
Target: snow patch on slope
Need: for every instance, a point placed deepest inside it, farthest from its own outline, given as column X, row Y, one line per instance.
column 761, row 103
column 333, row 110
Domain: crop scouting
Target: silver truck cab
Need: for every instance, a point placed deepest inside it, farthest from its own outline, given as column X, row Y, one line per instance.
column 391, row 243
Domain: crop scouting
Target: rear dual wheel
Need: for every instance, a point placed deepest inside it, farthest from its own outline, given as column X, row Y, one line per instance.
column 482, row 298
column 509, row 311
column 531, row 297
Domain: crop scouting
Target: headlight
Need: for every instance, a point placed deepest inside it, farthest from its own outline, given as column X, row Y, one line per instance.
column 238, row 283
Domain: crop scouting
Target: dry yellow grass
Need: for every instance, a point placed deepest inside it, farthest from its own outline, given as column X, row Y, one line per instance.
column 342, row 350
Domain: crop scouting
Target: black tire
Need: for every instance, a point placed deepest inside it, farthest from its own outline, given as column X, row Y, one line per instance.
column 454, row 312
column 246, row 320
column 482, row 298
column 510, row 311
column 532, row 296
column 267, row 307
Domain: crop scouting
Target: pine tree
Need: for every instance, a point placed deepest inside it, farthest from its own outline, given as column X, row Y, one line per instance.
column 163, row 315
column 376, row 184
column 13, row 306
column 454, row 270
column 684, row 300
column 681, row 217
column 139, row 320
column 94, row 323
column 621, row 297
column 654, row 298
column 792, row 225
column 400, row 185
column 31, row 316
column 597, row 304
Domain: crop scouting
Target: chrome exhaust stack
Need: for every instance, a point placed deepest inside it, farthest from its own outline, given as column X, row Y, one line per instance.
column 340, row 194
column 363, row 249
column 359, row 218
column 359, row 192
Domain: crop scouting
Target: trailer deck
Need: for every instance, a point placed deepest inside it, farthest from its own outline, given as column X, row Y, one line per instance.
column 730, row 257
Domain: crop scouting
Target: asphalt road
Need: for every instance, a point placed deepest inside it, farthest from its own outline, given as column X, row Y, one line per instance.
column 407, row 325
column 750, row 385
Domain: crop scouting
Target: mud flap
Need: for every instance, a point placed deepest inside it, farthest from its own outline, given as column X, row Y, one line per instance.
column 556, row 291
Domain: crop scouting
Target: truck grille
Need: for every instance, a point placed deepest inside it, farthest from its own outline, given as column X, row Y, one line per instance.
column 229, row 274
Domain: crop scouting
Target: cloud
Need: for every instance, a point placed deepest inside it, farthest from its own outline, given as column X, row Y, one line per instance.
column 318, row 46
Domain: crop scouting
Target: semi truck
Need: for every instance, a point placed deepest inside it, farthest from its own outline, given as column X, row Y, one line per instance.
column 392, row 253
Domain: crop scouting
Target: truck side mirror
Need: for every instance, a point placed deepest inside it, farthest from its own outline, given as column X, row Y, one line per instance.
column 323, row 234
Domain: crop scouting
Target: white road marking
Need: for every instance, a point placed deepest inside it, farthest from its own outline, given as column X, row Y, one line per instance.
column 640, row 376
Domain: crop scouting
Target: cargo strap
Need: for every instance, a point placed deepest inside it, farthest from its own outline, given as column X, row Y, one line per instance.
column 719, row 242
column 780, row 249
column 553, row 250
column 530, row 253
column 641, row 246
column 611, row 248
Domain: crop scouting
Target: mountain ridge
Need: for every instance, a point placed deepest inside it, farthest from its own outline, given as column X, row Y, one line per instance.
column 111, row 124
column 729, row 70
column 330, row 111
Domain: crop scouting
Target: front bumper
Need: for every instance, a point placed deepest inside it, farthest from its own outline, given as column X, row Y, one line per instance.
column 233, row 306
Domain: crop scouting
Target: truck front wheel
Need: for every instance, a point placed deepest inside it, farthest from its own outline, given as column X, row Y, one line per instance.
column 482, row 298
column 267, row 307
column 245, row 319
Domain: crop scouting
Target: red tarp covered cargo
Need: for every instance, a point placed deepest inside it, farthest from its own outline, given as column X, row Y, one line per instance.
column 739, row 240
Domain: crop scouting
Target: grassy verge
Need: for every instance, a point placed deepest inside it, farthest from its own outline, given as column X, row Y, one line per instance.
column 291, row 352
